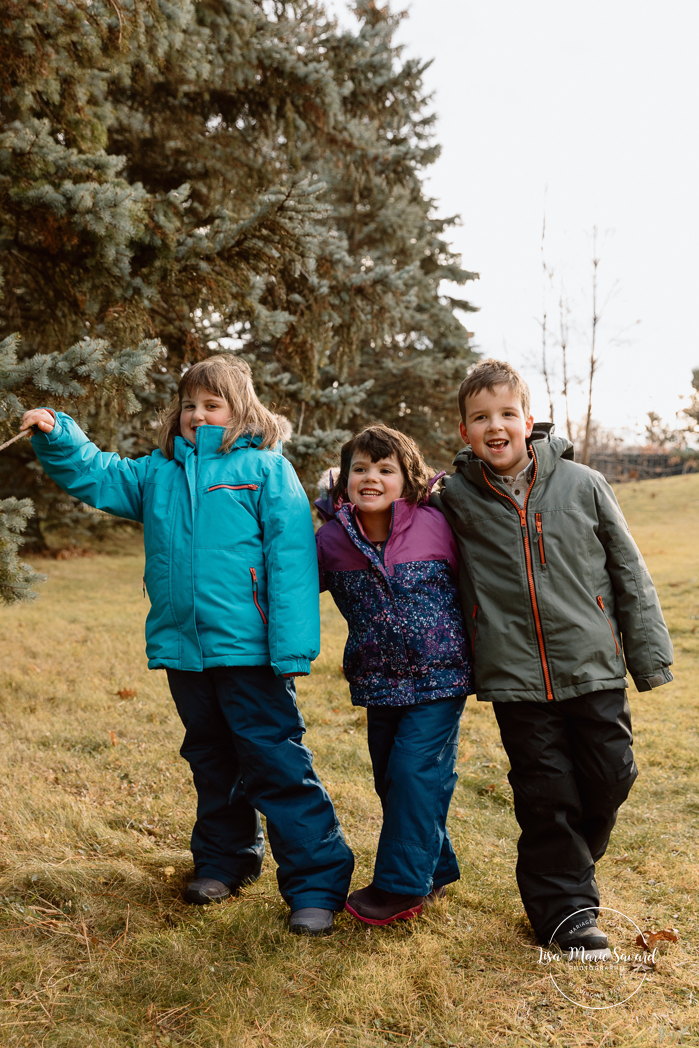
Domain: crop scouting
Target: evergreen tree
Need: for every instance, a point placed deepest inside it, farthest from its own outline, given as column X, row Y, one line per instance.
column 228, row 174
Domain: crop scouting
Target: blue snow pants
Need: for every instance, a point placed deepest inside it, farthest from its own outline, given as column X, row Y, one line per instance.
column 243, row 742
column 413, row 753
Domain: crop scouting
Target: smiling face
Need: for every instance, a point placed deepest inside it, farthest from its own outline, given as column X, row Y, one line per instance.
column 202, row 408
column 497, row 430
column 374, row 486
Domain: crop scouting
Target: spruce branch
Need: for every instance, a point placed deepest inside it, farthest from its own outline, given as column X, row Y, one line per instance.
column 16, row 578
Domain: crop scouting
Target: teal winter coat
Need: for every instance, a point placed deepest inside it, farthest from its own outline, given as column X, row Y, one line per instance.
column 231, row 568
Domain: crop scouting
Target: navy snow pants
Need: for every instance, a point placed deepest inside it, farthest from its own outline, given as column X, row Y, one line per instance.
column 243, row 742
column 413, row 753
column 572, row 768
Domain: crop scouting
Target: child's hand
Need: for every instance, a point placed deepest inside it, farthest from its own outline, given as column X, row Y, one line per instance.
column 39, row 417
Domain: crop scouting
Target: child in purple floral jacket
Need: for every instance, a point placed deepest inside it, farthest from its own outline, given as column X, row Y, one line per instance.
column 390, row 562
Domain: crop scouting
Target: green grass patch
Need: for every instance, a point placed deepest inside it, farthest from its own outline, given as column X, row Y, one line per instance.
column 96, row 807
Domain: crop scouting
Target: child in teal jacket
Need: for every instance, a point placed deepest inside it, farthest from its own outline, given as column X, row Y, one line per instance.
column 232, row 578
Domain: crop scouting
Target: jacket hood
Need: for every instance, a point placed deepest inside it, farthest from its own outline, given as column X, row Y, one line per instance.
column 546, row 450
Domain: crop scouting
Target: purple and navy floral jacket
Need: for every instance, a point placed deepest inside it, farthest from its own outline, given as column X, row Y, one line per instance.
column 406, row 639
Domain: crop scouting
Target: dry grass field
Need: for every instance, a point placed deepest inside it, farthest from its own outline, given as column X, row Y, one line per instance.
column 96, row 808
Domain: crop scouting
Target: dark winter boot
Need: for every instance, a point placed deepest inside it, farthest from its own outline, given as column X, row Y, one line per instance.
column 586, row 943
column 205, row 890
column 375, row 906
column 311, row 920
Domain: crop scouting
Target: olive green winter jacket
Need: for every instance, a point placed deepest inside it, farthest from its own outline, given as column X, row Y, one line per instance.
column 552, row 592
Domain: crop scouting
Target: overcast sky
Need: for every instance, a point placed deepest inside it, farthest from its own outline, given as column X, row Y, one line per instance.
column 587, row 111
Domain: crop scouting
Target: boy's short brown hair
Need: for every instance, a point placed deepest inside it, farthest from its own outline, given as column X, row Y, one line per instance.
column 487, row 374
column 380, row 442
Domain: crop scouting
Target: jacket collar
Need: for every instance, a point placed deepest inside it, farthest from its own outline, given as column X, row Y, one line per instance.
column 208, row 441
column 546, row 451
column 402, row 517
column 402, row 514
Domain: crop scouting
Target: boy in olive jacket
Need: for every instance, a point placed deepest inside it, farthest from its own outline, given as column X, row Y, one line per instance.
column 553, row 587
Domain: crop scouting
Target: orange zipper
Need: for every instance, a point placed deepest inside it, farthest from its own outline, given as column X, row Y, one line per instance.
column 601, row 604
column 540, row 539
column 475, row 624
column 253, row 573
column 530, row 572
column 235, row 487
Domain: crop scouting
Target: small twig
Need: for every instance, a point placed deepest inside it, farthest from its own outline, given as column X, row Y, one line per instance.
column 87, row 941
column 42, row 1005
column 119, row 15
column 22, row 433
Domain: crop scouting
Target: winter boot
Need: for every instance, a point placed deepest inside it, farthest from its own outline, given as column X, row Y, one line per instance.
column 375, row 906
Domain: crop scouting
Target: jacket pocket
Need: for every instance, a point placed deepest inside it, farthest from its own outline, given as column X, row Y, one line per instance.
column 540, row 539
column 234, row 487
column 601, row 605
column 253, row 576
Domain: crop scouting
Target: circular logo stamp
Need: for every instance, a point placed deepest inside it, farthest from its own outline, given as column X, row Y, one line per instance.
column 602, row 979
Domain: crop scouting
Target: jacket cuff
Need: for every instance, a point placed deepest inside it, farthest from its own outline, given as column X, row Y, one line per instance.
column 654, row 680
column 292, row 666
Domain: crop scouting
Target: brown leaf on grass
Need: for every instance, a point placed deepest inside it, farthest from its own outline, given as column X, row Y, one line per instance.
column 112, row 736
column 648, row 939
column 127, row 693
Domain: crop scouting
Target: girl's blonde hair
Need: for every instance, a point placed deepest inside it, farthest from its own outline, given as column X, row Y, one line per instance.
column 228, row 377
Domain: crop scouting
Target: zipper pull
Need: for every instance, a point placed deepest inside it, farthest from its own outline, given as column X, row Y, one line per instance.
column 540, row 538
column 254, row 580
column 601, row 603
column 523, row 520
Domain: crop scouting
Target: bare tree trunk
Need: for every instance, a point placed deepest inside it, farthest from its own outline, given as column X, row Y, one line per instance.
column 593, row 344
column 544, row 331
column 563, row 311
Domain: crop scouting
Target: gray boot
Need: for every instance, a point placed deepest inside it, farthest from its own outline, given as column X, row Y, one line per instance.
column 311, row 921
column 206, row 889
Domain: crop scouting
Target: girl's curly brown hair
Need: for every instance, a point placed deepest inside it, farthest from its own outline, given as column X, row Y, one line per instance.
column 380, row 442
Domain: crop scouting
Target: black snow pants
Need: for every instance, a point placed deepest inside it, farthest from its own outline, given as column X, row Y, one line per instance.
column 572, row 768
